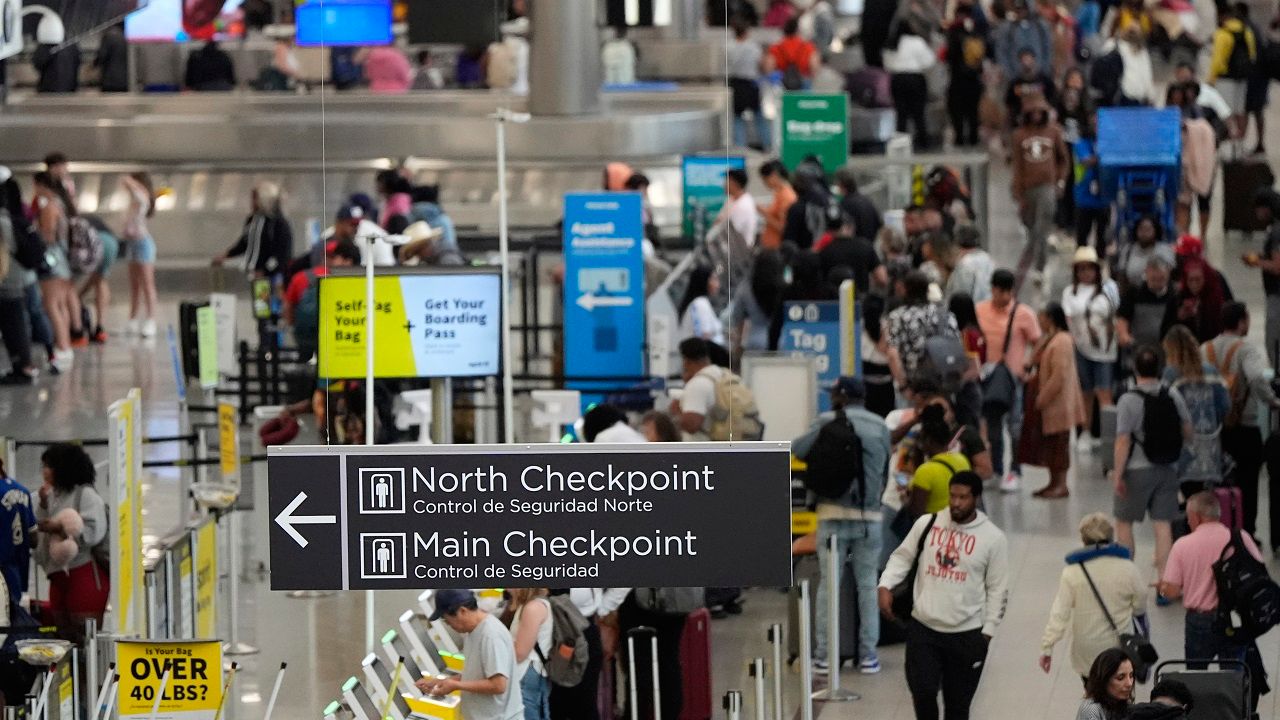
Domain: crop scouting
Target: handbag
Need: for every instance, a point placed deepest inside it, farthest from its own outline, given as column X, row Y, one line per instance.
column 904, row 592
column 999, row 388
column 1141, row 652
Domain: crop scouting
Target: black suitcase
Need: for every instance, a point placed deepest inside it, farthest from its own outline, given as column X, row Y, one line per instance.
column 1240, row 180
column 187, row 340
column 807, row 569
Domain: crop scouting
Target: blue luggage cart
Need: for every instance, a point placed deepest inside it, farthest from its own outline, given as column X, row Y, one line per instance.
column 1140, row 165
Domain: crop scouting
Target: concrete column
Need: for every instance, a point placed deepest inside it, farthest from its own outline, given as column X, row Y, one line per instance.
column 564, row 58
column 687, row 18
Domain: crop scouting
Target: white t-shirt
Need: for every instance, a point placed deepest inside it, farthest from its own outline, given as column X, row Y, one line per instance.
column 544, row 641
column 743, row 216
column 700, row 320
column 1091, row 315
column 620, row 432
column 699, row 395
column 913, row 55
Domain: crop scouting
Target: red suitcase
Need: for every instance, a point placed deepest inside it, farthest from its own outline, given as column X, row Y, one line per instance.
column 1232, row 504
column 695, row 663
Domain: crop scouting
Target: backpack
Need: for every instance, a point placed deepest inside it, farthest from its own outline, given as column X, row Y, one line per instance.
column 734, row 410
column 944, row 358
column 1237, row 385
column 1161, row 427
column 306, row 316
column 1104, row 77
column 791, row 78
column 28, row 248
column 869, row 87
column 671, row 601
column 1240, row 62
column 84, row 246
column 835, row 461
column 568, row 662
column 819, row 216
column 1248, row 599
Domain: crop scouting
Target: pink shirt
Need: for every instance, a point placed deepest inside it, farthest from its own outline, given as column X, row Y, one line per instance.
column 396, row 204
column 1191, row 562
column 388, row 71
column 1026, row 332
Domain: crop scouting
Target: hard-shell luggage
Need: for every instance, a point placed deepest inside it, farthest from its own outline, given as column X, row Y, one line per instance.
column 1232, row 504
column 695, row 664
column 868, row 87
column 1221, row 693
column 1241, row 179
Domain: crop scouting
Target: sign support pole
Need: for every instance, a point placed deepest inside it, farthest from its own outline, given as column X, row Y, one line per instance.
column 775, row 639
column 806, row 652
column 502, row 117
column 234, row 645
column 369, row 413
column 834, row 693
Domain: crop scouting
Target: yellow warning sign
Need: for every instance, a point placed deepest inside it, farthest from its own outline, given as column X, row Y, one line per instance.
column 194, row 683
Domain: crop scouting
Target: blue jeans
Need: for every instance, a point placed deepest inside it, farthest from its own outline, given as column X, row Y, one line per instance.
column 996, row 423
column 858, row 542
column 536, row 692
column 1203, row 640
column 763, row 131
column 41, row 333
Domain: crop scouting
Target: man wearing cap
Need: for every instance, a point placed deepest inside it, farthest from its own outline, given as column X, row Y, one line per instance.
column 352, row 223
column 853, row 519
column 487, row 688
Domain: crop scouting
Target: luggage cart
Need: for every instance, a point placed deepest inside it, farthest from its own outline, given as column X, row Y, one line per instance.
column 1223, row 693
column 1140, row 165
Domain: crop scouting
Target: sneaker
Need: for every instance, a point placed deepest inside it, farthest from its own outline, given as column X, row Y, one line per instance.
column 79, row 341
column 718, row 612
column 149, row 329
column 17, row 378
column 869, row 666
column 1036, row 278
column 62, row 360
column 821, row 667
column 99, row 336
column 132, row 328
column 1162, row 601
column 734, row 608
column 1011, row 482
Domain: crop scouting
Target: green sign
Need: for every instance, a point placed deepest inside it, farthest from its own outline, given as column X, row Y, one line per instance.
column 704, row 193
column 207, row 345
column 815, row 124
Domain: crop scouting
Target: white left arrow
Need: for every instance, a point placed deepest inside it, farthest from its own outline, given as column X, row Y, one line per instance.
column 286, row 519
column 589, row 302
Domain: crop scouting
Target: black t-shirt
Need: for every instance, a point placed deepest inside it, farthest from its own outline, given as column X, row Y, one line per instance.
column 1148, row 313
column 857, row 253
column 1271, row 283
column 866, row 218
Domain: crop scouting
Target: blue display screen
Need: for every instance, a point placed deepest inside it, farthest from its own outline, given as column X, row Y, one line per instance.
column 335, row 23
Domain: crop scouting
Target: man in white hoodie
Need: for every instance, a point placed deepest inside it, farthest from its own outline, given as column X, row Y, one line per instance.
column 959, row 560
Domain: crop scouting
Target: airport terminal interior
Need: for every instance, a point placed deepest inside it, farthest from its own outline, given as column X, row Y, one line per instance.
column 206, row 184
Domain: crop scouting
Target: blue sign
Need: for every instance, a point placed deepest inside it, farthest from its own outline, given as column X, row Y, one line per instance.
column 702, row 179
column 604, row 326
column 813, row 328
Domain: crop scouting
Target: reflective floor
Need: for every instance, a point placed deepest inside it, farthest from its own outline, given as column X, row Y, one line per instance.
column 322, row 639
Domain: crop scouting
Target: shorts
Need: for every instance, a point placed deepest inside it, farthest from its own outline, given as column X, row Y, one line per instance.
column 142, row 250
column 1151, row 490
column 1235, row 92
column 1094, row 374
column 110, row 252
column 58, row 267
column 1255, row 94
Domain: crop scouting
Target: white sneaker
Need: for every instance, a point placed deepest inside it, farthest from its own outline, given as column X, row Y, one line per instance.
column 62, row 360
column 1010, row 482
column 132, row 327
column 149, row 329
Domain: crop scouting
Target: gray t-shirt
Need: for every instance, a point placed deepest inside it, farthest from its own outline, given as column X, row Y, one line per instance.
column 1129, row 412
column 489, row 651
column 744, row 59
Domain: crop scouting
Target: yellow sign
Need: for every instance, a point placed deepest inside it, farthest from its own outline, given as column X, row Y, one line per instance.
column 425, row 325
column 185, row 590
column 193, row 689
column 229, row 443
column 66, row 693
column 206, row 556
column 126, row 541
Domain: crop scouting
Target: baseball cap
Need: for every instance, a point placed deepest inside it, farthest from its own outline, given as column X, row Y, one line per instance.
column 850, row 387
column 448, row 602
column 351, row 211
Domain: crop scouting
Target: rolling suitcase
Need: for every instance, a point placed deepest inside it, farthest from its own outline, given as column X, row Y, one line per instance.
column 1232, row 504
column 807, row 568
column 1240, row 180
column 1223, row 693
column 648, row 638
column 695, row 665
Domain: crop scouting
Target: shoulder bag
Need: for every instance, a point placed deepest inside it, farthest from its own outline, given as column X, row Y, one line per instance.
column 1139, row 649
column 904, row 592
column 998, row 385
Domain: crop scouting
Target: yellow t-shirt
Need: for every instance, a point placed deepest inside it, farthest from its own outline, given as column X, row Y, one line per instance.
column 934, row 477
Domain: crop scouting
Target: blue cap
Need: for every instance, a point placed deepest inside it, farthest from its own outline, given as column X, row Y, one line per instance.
column 351, row 211
column 852, row 388
column 448, row 602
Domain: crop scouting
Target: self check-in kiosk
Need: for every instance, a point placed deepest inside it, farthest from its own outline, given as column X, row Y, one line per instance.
column 377, row 680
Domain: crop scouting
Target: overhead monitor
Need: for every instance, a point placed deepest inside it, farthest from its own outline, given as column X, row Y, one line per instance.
column 343, row 23
column 186, row 20
column 473, row 23
column 82, row 17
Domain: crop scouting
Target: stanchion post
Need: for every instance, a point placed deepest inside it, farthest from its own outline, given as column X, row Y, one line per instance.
column 234, row 645
column 833, row 693
column 757, row 675
column 775, row 639
column 75, row 685
column 733, row 705
column 370, row 412
column 806, row 653
column 91, row 657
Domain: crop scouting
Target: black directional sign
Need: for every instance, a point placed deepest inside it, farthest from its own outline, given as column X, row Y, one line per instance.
column 400, row 517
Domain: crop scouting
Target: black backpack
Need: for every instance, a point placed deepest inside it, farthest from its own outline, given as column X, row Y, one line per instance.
column 1104, row 77
column 28, row 248
column 835, row 461
column 1161, row 427
column 1239, row 64
column 1245, row 590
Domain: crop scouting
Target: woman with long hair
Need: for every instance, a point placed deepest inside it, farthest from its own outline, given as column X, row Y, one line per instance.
column 1054, row 403
column 1200, row 300
column 142, row 255
column 1090, row 303
column 61, row 303
column 698, row 316
column 78, row 584
column 1108, row 689
column 531, row 627
column 1207, row 399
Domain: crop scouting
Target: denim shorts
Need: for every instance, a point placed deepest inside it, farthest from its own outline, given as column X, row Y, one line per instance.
column 1094, row 375
column 142, row 250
